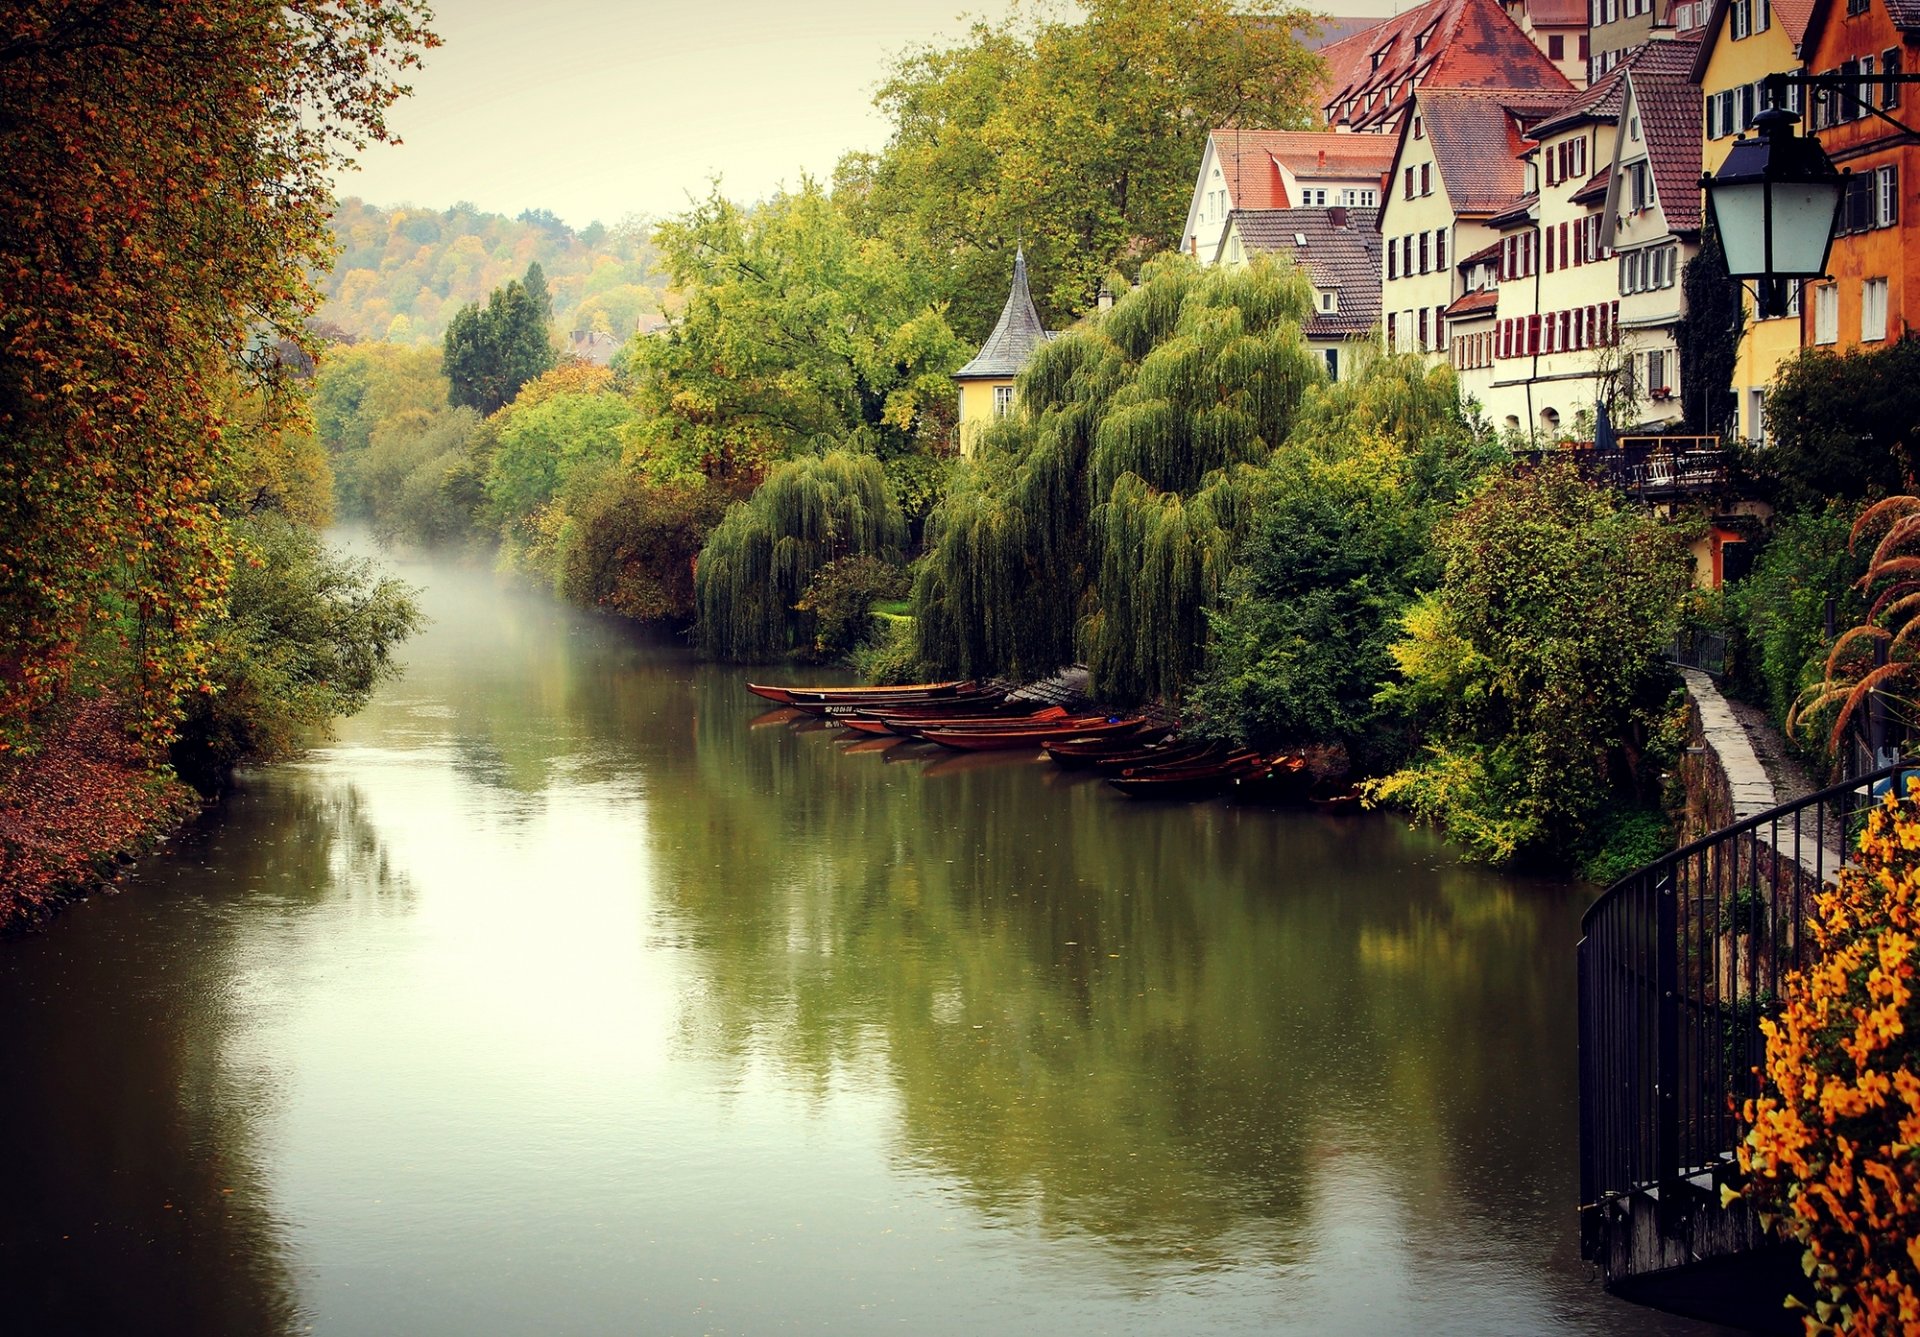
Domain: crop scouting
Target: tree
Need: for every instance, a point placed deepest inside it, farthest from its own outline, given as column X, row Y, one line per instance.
column 1076, row 138
column 1100, row 522
column 1843, row 424
column 1708, row 338
column 1537, row 666
column 164, row 187
column 758, row 564
column 796, row 336
column 490, row 352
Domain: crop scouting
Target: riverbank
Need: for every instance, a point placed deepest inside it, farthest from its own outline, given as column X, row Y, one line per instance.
column 83, row 804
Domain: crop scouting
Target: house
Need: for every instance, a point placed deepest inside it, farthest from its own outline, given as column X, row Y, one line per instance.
column 1873, row 292
column 1742, row 42
column 987, row 382
column 1618, row 28
column 1653, row 216
column 1546, row 350
column 1243, row 170
column 1559, row 29
column 1457, row 165
column 1372, row 75
column 1339, row 249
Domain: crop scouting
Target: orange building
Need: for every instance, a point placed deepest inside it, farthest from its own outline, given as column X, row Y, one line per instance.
column 1872, row 293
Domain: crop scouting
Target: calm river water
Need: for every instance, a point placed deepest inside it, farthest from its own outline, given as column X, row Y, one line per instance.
column 561, row 996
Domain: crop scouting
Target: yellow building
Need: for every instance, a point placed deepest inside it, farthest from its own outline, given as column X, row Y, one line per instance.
column 986, row 383
column 1745, row 42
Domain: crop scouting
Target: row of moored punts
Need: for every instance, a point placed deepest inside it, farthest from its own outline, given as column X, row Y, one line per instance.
column 1139, row 756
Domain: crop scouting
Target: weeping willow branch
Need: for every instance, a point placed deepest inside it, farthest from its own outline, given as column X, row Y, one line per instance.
column 758, row 562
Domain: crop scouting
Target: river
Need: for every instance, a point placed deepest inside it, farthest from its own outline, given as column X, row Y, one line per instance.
column 559, row 995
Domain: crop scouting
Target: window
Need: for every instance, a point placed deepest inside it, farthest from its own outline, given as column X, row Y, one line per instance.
column 1426, row 178
column 1393, row 259
column 1326, row 301
column 1419, row 130
column 1890, row 70
column 1886, row 205
column 1390, row 331
column 1757, row 417
column 1002, row 400
column 1409, row 183
column 1333, row 364
column 1873, row 310
column 1741, row 13
column 1556, row 47
column 1423, row 252
column 1439, row 248
column 1423, row 329
column 1826, row 314
column 1657, row 375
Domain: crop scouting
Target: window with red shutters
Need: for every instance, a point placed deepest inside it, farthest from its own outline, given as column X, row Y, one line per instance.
column 1533, row 335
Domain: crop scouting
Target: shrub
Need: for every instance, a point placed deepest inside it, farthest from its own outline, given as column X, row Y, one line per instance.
column 841, row 596
column 1843, row 423
column 1780, row 608
column 1834, row 1140
column 628, row 544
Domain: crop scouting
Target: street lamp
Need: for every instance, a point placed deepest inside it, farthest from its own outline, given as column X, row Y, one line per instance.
column 1775, row 202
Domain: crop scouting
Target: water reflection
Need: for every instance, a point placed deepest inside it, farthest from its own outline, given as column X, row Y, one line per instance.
column 570, row 991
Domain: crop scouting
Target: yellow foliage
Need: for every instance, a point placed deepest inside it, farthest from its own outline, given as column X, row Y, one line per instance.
column 1832, row 1144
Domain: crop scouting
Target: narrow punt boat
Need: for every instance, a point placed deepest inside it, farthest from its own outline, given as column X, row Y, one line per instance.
column 1048, row 717
column 1075, row 752
column 1000, row 740
column 1181, row 754
column 961, row 703
column 1200, row 781
column 1284, row 778
column 920, row 690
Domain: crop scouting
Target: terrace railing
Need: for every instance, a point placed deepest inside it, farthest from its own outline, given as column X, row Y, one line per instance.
column 1678, row 963
column 1649, row 467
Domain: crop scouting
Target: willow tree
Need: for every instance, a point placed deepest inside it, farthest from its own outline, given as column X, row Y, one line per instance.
column 759, row 561
column 1101, row 521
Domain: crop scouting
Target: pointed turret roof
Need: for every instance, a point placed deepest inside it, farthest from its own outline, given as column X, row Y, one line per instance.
column 1007, row 349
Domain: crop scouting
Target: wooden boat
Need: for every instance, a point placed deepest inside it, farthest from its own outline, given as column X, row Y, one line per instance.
column 1070, row 752
column 1047, row 716
column 960, row 703
column 1344, row 800
column 786, row 696
column 1001, row 740
column 1284, row 778
column 1185, row 782
column 1181, row 754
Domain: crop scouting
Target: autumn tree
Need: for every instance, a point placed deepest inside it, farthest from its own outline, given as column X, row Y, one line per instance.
column 1078, row 138
column 164, row 171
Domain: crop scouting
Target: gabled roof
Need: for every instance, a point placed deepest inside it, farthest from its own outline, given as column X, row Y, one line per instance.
column 1558, row 13
column 1014, row 339
column 1491, row 251
column 1250, row 161
column 1338, row 27
column 1477, row 136
column 1905, row 15
column 1449, row 43
column 1671, row 110
column 1790, row 15
column 1598, row 102
column 1344, row 258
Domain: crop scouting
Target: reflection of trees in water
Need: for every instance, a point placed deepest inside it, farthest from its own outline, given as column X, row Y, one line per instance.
column 1134, row 1023
column 135, row 1200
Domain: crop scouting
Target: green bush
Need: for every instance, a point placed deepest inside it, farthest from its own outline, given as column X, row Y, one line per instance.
column 308, row 635
column 890, row 657
column 627, row 543
column 1780, row 608
column 841, row 596
column 1623, row 839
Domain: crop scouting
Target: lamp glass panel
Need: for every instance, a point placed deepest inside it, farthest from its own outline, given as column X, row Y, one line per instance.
column 1740, row 214
column 1803, row 218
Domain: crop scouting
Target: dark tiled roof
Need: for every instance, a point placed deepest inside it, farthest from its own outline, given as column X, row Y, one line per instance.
column 1518, row 213
column 1599, row 102
column 1250, row 160
column 1671, row 113
column 1488, row 252
column 1474, row 303
column 1595, row 191
column 1344, row 259
column 1469, row 44
column 1007, row 349
column 1477, row 138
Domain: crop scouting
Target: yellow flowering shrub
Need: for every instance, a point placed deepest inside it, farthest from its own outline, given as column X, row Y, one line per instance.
column 1833, row 1145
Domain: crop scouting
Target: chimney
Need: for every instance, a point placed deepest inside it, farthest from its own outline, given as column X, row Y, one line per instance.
column 1337, row 215
column 1323, row 158
column 1106, row 296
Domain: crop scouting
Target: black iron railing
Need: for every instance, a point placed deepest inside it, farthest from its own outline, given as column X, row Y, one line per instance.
column 1648, row 466
column 1696, row 649
column 1678, row 963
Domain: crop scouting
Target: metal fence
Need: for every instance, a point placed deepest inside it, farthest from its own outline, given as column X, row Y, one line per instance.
column 1648, row 466
column 1678, row 962
column 1696, row 649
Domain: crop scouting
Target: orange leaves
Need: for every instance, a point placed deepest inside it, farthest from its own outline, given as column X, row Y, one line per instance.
column 1834, row 1144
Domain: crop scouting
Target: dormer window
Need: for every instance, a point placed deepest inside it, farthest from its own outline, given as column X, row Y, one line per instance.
column 1328, row 302
column 1378, row 57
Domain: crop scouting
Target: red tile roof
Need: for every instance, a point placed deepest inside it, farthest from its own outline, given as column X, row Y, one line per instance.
column 1558, row 13
column 1485, row 253
column 1250, row 161
column 1445, row 43
column 1595, row 191
column 1477, row 137
column 1597, row 102
column 1671, row 112
column 1473, row 303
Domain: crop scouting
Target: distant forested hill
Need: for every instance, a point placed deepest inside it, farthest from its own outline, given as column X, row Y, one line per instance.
column 402, row 273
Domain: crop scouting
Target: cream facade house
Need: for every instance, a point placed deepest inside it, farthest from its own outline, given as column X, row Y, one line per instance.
column 1653, row 220
column 1256, row 170
column 987, row 383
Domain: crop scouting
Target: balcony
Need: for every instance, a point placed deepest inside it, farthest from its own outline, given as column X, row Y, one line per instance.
column 1650, row 468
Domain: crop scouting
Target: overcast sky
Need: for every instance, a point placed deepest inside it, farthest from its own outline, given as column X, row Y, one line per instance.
column 598, row 108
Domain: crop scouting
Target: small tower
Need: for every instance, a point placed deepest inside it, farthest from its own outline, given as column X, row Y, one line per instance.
column 986, row 383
